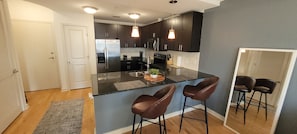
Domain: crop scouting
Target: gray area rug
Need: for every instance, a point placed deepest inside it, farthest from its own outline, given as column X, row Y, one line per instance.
column 63, row 117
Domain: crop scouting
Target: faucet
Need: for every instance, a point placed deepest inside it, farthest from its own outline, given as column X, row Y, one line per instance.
column 148, row 64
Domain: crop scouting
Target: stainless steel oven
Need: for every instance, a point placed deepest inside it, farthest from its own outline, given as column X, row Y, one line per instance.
column 160, row 61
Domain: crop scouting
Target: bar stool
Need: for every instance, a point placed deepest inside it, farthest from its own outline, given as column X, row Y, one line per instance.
column 264, row 86
column 199, row 92
column 151, row 107
column 243, row 85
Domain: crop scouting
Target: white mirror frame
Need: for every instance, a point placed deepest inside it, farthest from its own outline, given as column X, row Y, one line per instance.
column 284, row 88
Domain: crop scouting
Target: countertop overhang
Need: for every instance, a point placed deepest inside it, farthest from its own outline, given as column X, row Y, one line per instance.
column 114, row 82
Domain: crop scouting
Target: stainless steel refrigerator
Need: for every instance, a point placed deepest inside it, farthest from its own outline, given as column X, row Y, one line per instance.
column 108, row 55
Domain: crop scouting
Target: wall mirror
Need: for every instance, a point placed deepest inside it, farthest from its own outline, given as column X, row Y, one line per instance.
column 273, row 64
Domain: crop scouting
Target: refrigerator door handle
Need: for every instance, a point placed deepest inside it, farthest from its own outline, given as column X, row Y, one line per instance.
column 105, row 58
column 106, row 61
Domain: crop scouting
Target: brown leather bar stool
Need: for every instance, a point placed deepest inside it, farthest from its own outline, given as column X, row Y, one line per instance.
column 264, row 86
column 243, row 85
column 151, row 107
column 199, row 92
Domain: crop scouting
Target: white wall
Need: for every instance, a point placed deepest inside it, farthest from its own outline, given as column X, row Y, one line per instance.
column 61, row 19
column 22, row 10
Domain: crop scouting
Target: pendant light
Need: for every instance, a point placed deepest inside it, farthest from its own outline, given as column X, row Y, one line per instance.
column 135, row 29
column 171, row 34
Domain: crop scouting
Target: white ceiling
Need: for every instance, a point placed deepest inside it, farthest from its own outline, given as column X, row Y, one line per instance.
column 150, row 10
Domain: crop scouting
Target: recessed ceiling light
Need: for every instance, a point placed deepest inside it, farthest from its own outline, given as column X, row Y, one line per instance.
column 134, row 15
column 90, row 10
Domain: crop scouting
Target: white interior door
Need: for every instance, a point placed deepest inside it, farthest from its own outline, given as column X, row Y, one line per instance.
column 10, row 104
column 35, row 46
column 77, row 56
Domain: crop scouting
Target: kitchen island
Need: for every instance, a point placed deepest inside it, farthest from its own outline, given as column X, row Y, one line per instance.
column 116, row 92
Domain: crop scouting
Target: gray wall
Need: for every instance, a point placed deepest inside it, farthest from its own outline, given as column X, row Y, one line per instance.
column 113, row 111
column 248, row 23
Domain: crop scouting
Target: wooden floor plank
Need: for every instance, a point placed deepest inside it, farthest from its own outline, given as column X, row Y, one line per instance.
column 39, row 101
column 189, row 126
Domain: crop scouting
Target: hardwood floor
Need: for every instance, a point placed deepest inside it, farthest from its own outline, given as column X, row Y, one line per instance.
column 255, row 122
column 189, row 126
column 39, row 101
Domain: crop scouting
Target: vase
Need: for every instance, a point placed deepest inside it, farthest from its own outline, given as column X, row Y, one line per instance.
column 154, row 75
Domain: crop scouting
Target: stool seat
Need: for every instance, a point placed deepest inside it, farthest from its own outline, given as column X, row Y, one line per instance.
column 264, row 86
column 262, row 89
column 151, row 107
column 189, row 91
column 241, row 88
column 142, row 103
column 243, row 85
column 201, row 92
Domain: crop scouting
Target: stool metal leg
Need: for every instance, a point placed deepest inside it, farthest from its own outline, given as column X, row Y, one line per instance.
column 182, row 116
column 250, row 100
column 164, row 125
column 160, row 125
column 141, row 125
column 133, row 123
column 205, row 112
column 266, row 106
column 244, row 110
column 238, row 101
column 259, row 102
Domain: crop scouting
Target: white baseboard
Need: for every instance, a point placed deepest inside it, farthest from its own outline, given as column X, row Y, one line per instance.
column 200, row 106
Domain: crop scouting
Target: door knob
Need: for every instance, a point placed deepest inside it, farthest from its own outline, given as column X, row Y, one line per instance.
column 15, row 71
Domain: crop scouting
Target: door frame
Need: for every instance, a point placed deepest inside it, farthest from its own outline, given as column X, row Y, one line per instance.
column 66, row 65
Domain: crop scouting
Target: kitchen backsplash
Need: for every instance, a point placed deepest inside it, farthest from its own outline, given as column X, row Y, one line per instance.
column 188, row 60
column 130, row 52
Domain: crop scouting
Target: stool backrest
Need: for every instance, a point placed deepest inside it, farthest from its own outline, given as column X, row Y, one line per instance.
column 159, row 107
column 206, row 88
column 247, row 81
column 266, row 83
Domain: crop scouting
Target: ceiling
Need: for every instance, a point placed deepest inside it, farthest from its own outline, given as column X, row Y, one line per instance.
column 117, row 10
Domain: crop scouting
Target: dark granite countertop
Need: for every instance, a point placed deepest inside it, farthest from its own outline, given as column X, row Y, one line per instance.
column 113, row 82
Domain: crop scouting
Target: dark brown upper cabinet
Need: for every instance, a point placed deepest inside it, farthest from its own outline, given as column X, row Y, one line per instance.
column 187, row 28
column 149, row 33
column 115, row 31
column 125, row 37
column 176, row 24
column 106, row 31
column 191, row 32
